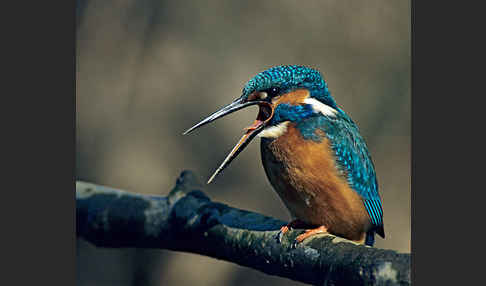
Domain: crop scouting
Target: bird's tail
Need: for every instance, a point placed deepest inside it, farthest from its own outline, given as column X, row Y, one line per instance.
column 370, row 238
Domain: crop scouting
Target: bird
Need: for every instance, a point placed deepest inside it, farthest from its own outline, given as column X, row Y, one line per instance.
column 312, row 153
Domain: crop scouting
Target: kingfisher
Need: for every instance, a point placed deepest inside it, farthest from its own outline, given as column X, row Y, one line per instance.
column 313, row 155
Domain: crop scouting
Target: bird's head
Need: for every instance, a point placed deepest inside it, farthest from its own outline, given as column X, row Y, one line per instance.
column 284, row 94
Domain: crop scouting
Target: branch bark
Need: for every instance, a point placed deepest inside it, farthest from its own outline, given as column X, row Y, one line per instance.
column 187, row 220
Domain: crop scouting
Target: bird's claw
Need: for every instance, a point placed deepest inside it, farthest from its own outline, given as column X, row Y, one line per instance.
column 279, row 236
column 284, row 229
column 308, row 233
column 294, row 244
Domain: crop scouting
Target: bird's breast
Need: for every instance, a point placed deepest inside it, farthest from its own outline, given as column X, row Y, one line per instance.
column 305, row 176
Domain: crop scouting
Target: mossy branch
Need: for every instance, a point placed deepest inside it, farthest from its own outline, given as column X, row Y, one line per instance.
column 187, row 220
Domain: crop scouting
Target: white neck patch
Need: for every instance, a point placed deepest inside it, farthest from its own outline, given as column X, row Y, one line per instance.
column 274, row 131
column 320, row 107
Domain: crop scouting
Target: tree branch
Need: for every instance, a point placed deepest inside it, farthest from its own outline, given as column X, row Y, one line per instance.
column 187, row 220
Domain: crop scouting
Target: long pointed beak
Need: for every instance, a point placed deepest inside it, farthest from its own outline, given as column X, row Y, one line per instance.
column 234, row 106
column 264, row 115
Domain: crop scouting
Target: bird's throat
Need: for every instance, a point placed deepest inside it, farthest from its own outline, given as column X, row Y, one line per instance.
column 274, row 131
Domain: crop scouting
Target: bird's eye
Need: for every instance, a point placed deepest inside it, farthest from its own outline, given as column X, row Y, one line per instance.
column 273, row 91
column 266, row 94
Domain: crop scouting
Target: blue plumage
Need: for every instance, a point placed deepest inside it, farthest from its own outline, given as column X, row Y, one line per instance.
column 291, row 77
column 294, row 113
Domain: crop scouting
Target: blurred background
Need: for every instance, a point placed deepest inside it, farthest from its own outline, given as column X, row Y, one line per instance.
column 148, row 70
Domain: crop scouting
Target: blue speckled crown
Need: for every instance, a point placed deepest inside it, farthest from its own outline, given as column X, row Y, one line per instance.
column 291, row 77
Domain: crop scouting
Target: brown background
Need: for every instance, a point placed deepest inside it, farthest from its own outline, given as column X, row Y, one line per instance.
column 147, row 70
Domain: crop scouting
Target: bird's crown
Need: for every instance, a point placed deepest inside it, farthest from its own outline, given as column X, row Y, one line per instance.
column 290, row 77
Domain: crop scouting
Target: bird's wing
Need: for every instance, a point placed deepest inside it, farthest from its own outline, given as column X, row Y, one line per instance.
column 353, row 158
column 354, row 161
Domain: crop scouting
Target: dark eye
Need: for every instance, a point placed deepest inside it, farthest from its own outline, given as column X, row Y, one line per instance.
column 274, row 91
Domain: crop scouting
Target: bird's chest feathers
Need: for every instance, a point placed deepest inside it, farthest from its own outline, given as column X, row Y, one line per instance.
column 304, row 174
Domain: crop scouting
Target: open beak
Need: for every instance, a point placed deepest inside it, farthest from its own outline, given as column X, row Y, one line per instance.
column 264, row 115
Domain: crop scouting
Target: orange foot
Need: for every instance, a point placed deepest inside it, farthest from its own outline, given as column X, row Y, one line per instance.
column 284, row 229
column 307, row 233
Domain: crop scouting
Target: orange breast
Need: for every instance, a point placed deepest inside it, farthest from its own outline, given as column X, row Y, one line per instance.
column 304, row 174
